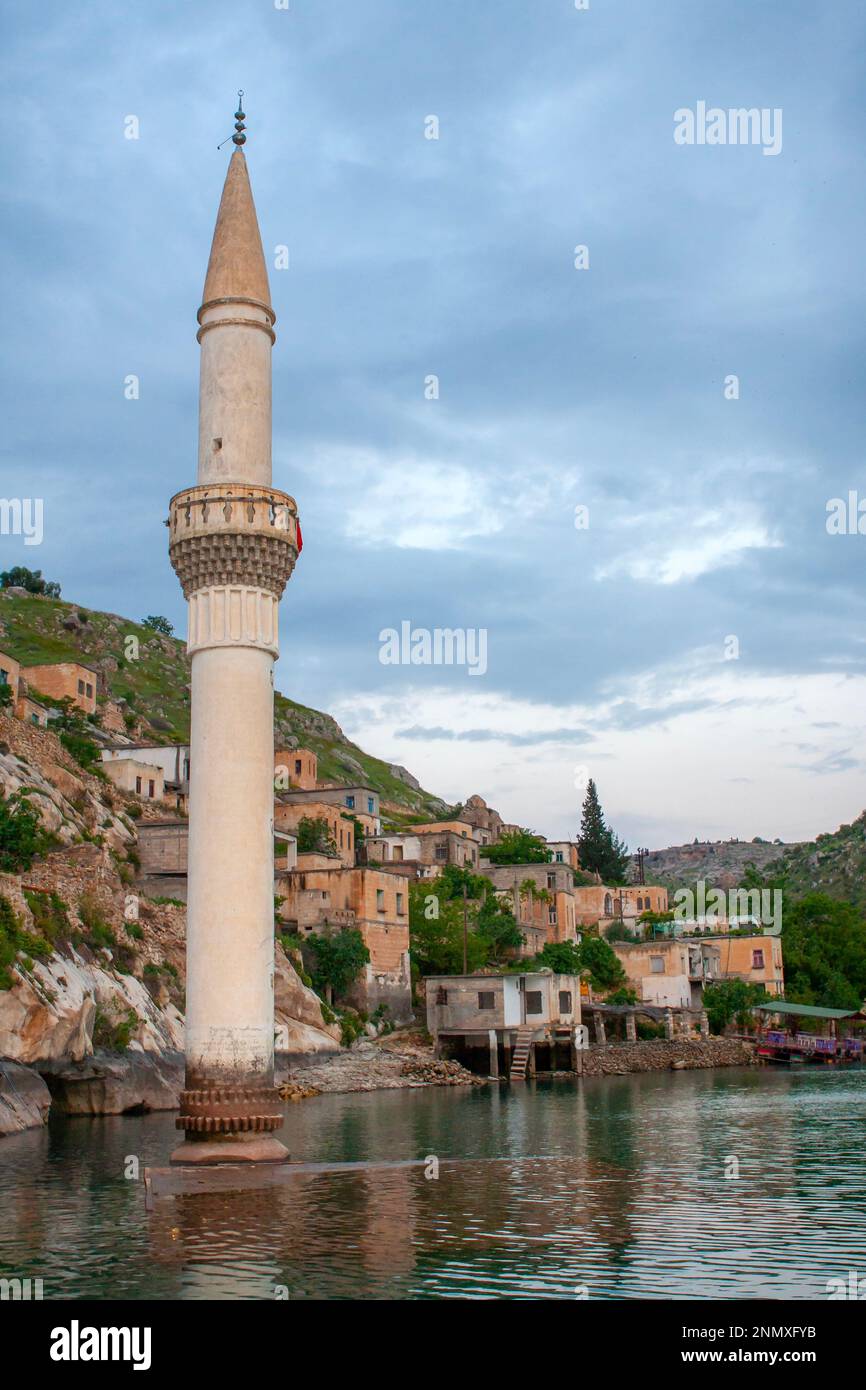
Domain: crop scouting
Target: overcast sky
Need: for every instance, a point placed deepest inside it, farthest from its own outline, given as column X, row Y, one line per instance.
column 559, row 388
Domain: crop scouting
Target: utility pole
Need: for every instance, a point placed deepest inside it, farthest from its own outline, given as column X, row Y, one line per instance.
column 641, row 856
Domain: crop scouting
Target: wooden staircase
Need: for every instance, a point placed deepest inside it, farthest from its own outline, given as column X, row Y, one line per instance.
column 520, row 1055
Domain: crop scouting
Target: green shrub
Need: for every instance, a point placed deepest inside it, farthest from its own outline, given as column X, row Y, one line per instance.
column 22, row 837
column 114, row 1035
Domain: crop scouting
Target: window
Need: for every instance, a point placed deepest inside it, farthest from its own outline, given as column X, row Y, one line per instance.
column 89, row 691
column 640, row 904
column 399, row 904
column 81, row 687
column 551, row 913
column 350, row 802
column 533, row 1001
column 657, row 965
column 297, row 766
column 486, row 999
column 559, row 856
column 380, row 899
column 398, row 851
column 565, row 1001
column 757, row 960
column 441, row 996
column 151, row 787
column 138, row 785
column 370, row 805
column 4, row 677
column 441, row 851
column 34, row 719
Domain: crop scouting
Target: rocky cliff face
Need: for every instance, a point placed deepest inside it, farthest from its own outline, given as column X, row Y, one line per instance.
column 720, row 863
column 95, row 996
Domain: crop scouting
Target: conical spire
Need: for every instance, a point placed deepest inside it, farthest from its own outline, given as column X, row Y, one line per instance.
column 236, row 269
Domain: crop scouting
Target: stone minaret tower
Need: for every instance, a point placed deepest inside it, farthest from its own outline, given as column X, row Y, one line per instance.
column 233, row 545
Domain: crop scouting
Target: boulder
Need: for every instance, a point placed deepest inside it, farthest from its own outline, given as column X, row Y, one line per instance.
column 24, row 1099
column 116, row 1084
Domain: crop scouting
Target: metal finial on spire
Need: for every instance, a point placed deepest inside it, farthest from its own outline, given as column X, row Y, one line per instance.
column 239, row 138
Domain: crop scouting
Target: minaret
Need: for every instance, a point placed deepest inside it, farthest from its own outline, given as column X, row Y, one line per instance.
column 233, row 543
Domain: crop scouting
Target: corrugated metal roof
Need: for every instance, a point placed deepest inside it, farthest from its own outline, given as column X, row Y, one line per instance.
column 806, row 1010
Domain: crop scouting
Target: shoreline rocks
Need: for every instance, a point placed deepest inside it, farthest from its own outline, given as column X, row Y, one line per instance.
column 24, row 1099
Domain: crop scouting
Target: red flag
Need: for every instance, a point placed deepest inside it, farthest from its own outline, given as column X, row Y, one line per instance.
column 300, row 539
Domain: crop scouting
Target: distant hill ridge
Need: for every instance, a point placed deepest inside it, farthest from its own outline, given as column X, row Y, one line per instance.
column 35, row 629
column 834, row 863
column 721, row 863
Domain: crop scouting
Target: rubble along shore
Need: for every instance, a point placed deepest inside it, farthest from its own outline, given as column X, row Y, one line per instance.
column 141, row 1082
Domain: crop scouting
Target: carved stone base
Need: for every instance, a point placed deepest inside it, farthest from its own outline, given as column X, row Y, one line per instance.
column 237, row 1112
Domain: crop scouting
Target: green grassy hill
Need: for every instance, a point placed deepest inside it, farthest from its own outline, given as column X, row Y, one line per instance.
column 155, row 685
column 834, row 864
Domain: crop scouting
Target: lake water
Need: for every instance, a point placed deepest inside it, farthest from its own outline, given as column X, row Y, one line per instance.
column 603, row 1188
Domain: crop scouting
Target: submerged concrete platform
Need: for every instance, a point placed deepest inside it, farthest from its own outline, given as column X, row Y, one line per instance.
column 181, row 1181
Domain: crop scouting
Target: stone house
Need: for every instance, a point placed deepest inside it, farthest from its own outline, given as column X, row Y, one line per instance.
column 483, row 1018
column 555, row 914
column 65, row 680
column 31, row 711
column 295, row 767
column 171, row 758
column 358, row 800
column 487, row 822
column 146, row 780
column 10, row 674
column 288, row 816
column 320, row 895
column 594, row 903
column 670, row 973
column 564, row 852
column 756, row 959
column 427, row 847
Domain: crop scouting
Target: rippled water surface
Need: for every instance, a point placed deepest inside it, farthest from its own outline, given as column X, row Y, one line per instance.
column 612, row 1185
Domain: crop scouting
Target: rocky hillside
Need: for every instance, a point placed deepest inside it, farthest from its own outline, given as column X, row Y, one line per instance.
column 721, row 863
column 150, row 673
column 834, row 863
column 91, row 970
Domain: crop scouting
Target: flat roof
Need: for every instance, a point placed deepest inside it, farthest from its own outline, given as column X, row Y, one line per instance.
column 781, row 1006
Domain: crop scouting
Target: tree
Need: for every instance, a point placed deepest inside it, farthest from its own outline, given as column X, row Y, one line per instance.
column 158, row 624
column 602, row 964
column 497, row 927
column 436, row 932
column 601, row 850
column 5, row 694
column 518, row 847
column 562, row 957
column 454, row 878
column 314, row 836
column 21, row 578
column 75, row 739
column 731, row 1000
column 21, row 834
column 824, row 946
column 337, row 958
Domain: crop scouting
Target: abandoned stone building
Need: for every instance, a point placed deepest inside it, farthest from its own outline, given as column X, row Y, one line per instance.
column 320, row 896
